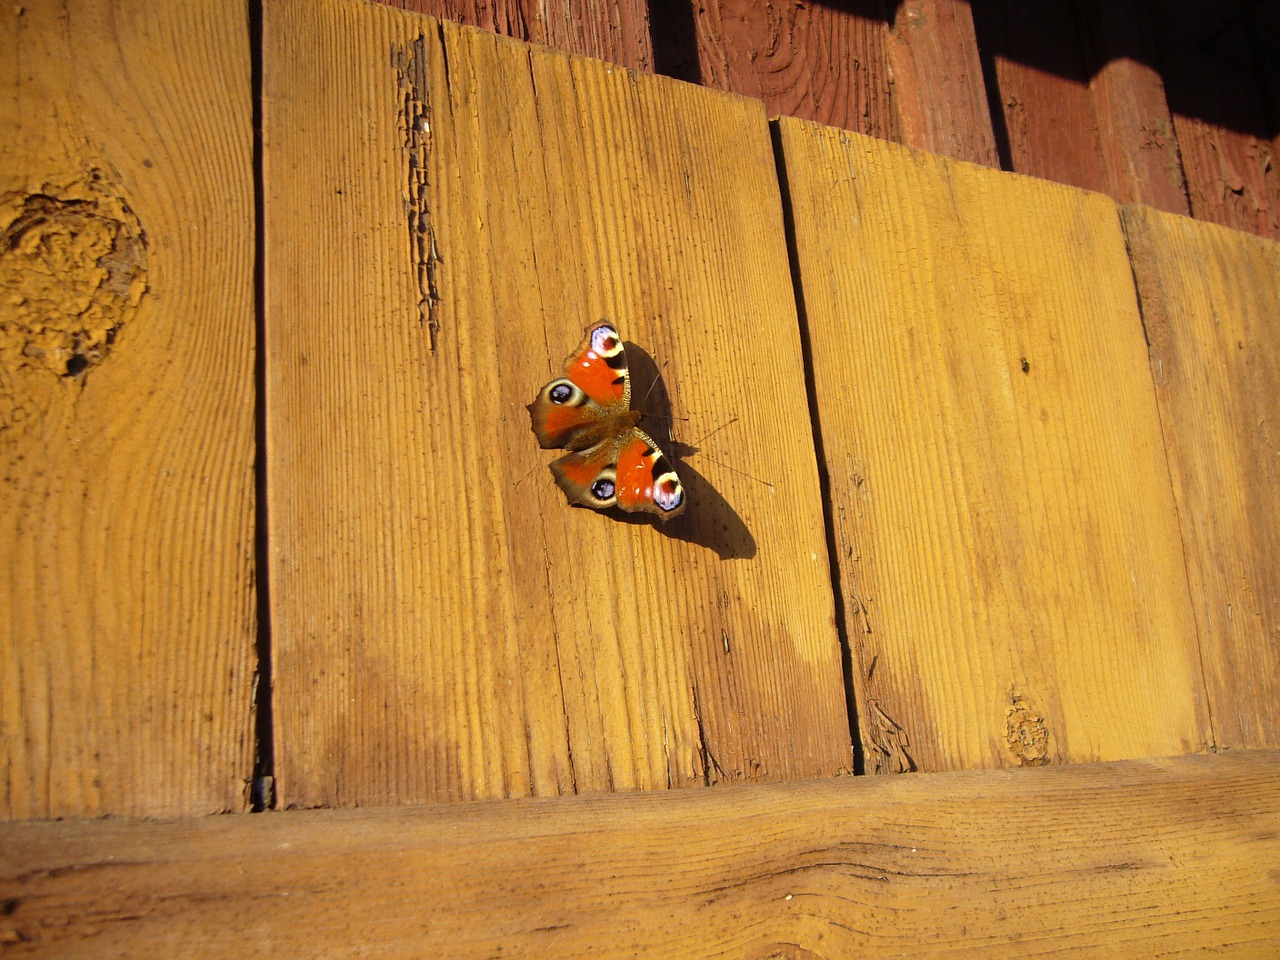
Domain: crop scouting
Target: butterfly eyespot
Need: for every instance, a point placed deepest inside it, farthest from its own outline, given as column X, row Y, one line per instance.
column 602, row 489
column 560, row 393
column 668, row 493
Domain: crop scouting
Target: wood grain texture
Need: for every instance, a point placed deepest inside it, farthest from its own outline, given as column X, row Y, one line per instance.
column 444, row 217
column 127, row 618
column 821, row 62
column 940, row 102
column 1209, row 299
column 1146, row 858
column 617, row 31
column 1009, row 554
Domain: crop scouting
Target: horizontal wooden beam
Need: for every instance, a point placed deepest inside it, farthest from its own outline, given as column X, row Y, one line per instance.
column 1134, row 858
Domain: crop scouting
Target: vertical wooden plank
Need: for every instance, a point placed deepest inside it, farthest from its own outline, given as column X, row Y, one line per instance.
column 617, row 31
column 1209, row 299
column 939, row 98
column 444, row 217
column 126, row 409
column 1010, row 560
column 821, row 62
column 1038, row 73
column 1214, row 75
column 1135, row 128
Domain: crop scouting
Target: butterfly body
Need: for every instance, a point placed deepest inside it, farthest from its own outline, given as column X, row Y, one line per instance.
column 611, row 461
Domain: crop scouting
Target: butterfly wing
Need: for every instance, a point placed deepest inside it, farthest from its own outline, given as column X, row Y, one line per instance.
column 589, row 477
column 628, row 471
column 646, row 480
column 595, row 385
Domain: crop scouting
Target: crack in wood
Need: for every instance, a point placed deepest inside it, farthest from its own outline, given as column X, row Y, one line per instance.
column 410, row 64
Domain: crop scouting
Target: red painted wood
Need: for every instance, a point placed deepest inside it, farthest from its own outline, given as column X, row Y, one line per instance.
column 617, row 30
column 818, row 62
column 1216, row 70
column 938, row 93
column 1140, row 151
column 1041, row 104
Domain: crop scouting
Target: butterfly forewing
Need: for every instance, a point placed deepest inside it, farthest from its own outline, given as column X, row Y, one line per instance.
column 595, row 385
column 599, row 367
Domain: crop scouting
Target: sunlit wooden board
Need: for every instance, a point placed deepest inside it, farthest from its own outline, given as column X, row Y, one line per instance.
column 1211, row 304
column 446, row 211
column 1141, row 858
column 1011, row 569
column 127, row 618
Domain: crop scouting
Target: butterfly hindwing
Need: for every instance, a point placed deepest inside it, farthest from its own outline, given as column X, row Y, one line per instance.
column 645, row 479
column 589, row 477
column 629, row 472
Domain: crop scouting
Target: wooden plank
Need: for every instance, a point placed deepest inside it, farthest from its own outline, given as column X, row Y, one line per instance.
column 1209, row 299
column 1009, row 554
column 617, row 31
column 940, row 102
column 1227, row 137
column 1041, row 103
column 444, row 626
column 126, row 409
column 1080, row 97
column 1135, row 128
column 1135, row 859
column 816, row 61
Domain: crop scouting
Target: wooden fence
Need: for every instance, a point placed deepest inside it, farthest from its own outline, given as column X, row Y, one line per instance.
column 982, row 474
column 1169, row 104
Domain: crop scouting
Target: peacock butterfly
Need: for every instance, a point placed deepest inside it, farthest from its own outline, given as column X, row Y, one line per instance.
column 588, row 412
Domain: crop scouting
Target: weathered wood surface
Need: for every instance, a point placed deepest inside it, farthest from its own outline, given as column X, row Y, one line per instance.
column 823, row 62
column 1215, row 61
column 940, row 102
column 1135, row 128
column 127, row 618
column 1209, row 302
column 446, row 212
column 1159, row 104
column 1146, row 858
column 1038, row 72
column 1010, row 561
column 614, row 30
column 1077, row 88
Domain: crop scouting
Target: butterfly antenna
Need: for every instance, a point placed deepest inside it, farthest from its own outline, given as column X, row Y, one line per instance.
column 652, row 383
column 707, row 436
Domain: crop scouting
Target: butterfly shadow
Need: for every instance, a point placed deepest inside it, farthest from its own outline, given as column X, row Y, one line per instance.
column 708, row 520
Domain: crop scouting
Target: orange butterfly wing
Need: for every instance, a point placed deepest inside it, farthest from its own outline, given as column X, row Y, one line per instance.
column 646, row 480
column 595, row 385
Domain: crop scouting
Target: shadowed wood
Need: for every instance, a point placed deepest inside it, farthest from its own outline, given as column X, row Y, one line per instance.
column 1145, row 858
column 1215, row 63
column 1209, row 301
column 126, row 409
column 445, row 215
column 1140, row 151
column 1010, row 560
column 617, row 30
column 1040, row 89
